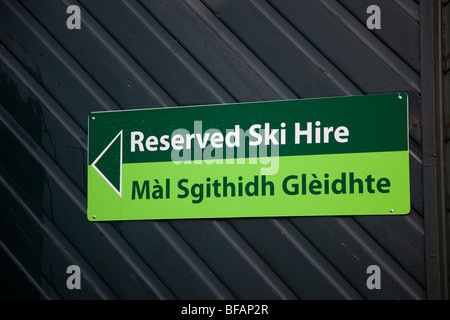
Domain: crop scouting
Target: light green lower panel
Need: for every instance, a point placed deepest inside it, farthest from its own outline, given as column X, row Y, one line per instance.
column 338, row 184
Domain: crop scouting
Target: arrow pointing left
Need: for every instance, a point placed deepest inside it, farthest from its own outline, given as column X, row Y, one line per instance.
column 108, row 162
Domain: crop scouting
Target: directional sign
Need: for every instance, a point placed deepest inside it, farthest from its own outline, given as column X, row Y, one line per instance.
column 307, row 157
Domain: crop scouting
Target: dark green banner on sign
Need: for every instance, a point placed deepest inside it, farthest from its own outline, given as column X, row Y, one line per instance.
column 327, row 156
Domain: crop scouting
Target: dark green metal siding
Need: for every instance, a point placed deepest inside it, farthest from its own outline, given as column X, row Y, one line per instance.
column 144, row 54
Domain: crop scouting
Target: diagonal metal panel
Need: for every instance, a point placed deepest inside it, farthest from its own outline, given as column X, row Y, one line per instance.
column 399, row 37
column 136, row 54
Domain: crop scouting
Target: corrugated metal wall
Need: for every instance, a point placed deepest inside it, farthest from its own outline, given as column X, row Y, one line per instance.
column 146, row 53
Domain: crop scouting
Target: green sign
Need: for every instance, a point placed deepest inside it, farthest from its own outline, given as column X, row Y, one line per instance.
column 308, row 157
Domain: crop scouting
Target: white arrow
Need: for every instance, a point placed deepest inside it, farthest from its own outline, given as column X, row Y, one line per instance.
column 119, row 192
